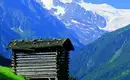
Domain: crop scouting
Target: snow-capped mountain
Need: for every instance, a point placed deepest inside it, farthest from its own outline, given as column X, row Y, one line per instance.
column 88, row 20
column 115, row 18
column 28, row 20
column 85, row 23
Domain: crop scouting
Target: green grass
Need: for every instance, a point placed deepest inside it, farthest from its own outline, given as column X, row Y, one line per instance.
column 7, row 74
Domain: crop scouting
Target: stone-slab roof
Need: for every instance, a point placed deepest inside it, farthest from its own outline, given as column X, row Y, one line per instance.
column 40, row 43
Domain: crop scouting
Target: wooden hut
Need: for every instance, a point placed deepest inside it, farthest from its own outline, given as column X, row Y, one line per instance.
column 44, row 59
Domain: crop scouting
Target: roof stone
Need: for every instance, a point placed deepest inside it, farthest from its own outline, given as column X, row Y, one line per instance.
column 40, row 43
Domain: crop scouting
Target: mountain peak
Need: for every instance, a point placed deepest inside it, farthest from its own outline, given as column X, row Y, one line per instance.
column 65, row 1
column 115, row 18
column 47, row 4
column 91, row 6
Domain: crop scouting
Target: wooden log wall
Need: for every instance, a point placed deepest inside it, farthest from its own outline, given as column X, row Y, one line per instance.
column 35, row 65
column 13, row 62
column 63, row 64
column 42, row 65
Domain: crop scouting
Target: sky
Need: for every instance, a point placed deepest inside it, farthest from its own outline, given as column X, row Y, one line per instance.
column 120, row 4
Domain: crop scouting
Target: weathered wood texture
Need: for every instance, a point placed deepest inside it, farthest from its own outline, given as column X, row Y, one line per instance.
column 38, row 59
column 63, row 64
column 42, row 65
column 35, row 64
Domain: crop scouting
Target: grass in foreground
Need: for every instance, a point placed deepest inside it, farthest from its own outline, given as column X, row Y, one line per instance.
column 7, row 74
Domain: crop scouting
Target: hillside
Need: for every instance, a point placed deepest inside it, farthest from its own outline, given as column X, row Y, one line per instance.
column 4, row 61
column 25, row 19
column 105, row 59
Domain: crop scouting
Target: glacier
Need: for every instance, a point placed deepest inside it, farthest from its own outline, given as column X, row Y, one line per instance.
column 115, row 18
